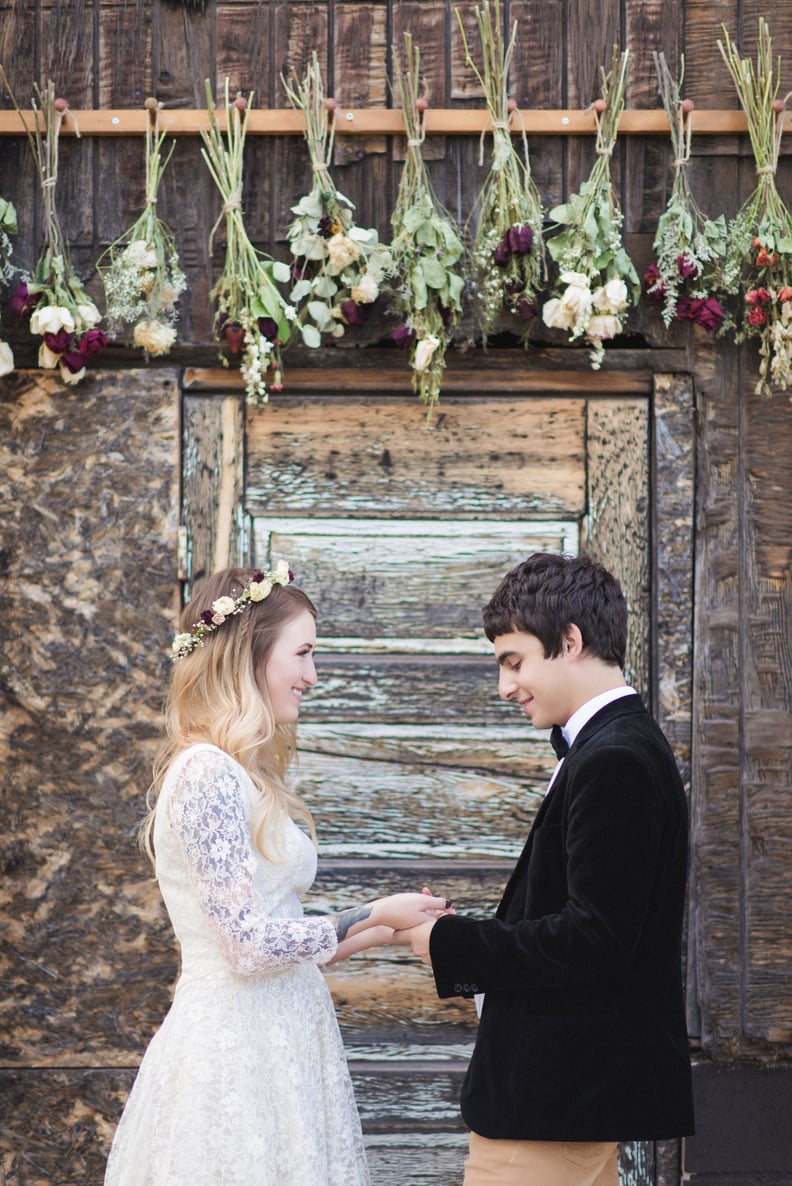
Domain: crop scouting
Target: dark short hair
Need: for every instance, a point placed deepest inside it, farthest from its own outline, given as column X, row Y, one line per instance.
column 547, row 592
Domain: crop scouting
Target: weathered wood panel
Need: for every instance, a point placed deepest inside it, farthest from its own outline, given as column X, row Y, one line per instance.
column 617, row 526
column 494, row 459
column 405, row 579
column 674, row 543
column 88, row 545
column 517, row 750
column 213, row 484
column 394, row 688
column 377, row 809
column 767, row 682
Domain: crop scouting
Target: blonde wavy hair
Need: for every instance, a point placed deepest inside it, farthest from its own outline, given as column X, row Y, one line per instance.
column 214, row 697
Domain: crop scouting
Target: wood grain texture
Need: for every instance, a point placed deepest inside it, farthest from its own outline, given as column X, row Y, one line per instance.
column 617, row 525
column 213, row 483
column 308, row 458
column 418, row 579
column 87, row 540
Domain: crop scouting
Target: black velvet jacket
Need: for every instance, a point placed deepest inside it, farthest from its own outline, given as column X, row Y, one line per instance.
column 582, row 1036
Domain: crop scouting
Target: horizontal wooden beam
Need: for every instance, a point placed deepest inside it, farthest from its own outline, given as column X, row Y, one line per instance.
column 367, row 121
column 476, row 382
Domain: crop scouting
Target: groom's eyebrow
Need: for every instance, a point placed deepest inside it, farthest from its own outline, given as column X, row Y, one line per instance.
column 504, row 656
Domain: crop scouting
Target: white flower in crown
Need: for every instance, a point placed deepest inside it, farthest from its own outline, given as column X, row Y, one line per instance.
column 181, row 640
column 280, row 573
column 257, row 589
column 224, row 606
column 260, row 589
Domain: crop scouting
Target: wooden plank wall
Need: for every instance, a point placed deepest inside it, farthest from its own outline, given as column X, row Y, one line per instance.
column 104, row 53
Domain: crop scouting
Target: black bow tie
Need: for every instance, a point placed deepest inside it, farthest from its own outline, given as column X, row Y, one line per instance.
column 559, row 742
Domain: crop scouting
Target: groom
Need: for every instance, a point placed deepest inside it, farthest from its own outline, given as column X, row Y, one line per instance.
column 582, row 1040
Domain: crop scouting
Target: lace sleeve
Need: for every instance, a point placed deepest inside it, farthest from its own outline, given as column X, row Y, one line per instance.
column 206, row 811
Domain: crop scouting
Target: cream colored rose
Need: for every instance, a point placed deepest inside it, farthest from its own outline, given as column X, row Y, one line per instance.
column 612, row 298
column 153, row 337
column 342, row 251
column 51, row 318
column 260, row 590
column 365, row 292
column 280, row 573
column 6, row 359
column 603, row 325
column 576, row 298
column 89, row 315
column 47, row 359
column 424, row 351
column 555, row 316
column 223, row 606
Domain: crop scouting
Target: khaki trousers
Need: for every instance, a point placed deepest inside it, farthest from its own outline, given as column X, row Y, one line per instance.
column 541, row 1163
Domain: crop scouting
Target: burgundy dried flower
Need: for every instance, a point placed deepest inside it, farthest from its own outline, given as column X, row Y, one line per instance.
column 527, row 309
column 352, row 313
column 653, row 285
column 21, row 303
column 326, row 226
column 60, row 342
column 92, row 343
column 687, row 268
column 502, row 253
column 268, row 328
column 709, row 314
column 403, row 336
column 234, row 335
column 520, row 239
column 206, row 617
column 73, row 360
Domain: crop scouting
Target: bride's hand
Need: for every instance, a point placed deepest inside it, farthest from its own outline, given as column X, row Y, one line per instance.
column 405, row 911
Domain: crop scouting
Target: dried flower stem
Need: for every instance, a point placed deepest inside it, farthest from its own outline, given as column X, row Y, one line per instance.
column 509, row 199
column 426, row 248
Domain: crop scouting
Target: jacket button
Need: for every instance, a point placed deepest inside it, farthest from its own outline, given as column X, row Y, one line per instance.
column 457, row 988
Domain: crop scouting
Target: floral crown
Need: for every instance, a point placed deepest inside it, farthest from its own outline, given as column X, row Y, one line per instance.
column 258, row 587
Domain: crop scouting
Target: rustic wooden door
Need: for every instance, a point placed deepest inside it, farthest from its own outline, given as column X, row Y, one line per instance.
column 416, row 772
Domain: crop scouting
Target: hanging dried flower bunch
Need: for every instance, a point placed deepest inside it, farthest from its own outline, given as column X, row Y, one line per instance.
column 688, row 246
column 338, row 267
column 251, row 315
column 426, row 248
column 597, row 280
column 59, row 308
column 507, row 252
column 759, row 256
column 8, row 226
column 140, row 271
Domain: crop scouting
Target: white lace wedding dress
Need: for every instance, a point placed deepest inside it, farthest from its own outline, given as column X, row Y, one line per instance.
column 246, row 1082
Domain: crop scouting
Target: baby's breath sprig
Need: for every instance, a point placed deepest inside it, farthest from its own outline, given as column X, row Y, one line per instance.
column 251, row 315
column 55, row 300
column 140, row 270
column 689, row 247
column 598, row 281
column 759, row 253
column 507, row 259
column 426, row 248
column 338, row 267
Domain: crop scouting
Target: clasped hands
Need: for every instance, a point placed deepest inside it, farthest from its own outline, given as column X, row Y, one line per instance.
column 416, row 933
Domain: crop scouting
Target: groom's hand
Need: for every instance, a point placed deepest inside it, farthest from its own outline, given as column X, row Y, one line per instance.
column 418, row 939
